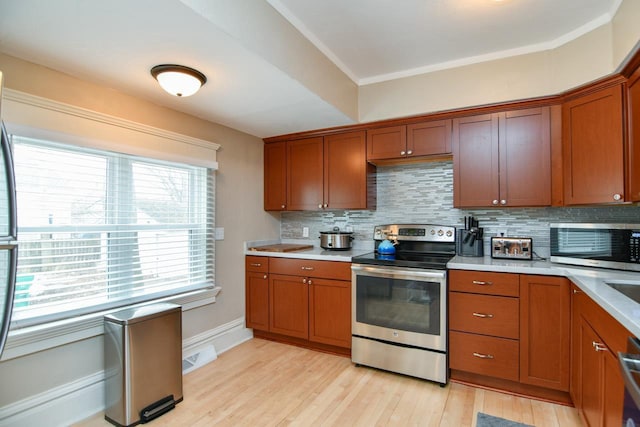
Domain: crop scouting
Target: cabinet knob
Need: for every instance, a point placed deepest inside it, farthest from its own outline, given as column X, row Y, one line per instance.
column 402, row 153
column 575, row 291
column 617, row 197
column 494, row 202
column 309, row 282
column 482, row 315
column 304, row 280
column 503, row 202
column 283, row 206
column 264, row 277
column 326, row 205
column 598, row 346
column 410, row 152
column 482, row 356
column 320, row 206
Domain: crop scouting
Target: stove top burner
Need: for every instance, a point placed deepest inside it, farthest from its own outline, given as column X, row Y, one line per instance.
column 413, row 260
column 426, row 246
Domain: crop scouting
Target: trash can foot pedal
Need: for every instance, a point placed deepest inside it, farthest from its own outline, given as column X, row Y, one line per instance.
column 156, row 409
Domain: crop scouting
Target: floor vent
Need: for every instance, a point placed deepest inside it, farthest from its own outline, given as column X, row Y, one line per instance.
column 202, row 357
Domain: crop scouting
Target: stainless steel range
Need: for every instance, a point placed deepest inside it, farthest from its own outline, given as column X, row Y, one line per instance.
column 400, row 300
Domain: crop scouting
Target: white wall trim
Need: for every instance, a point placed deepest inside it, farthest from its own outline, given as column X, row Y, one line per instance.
column 37, row 117
column 49, row 104
column 84, row 397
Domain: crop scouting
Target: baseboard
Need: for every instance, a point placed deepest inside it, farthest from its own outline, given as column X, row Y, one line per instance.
column 83, row 398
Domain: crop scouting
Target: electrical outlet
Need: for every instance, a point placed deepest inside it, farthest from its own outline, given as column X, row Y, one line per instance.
column 305, row 231
column 219, row 233
column 501, row 232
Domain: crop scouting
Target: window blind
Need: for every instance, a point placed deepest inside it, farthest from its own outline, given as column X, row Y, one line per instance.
column 99, row 230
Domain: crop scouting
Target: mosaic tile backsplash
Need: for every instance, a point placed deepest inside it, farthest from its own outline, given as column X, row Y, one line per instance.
column 423, row 193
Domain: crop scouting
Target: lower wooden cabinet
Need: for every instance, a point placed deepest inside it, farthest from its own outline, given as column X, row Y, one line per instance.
column 545, row 331
column 597, row 387
column 257, row 292
column 305, row 302
column 511, row 331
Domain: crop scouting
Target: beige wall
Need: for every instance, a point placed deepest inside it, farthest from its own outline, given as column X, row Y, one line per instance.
column 580, row 61
column 626, row 30
column 239, row 210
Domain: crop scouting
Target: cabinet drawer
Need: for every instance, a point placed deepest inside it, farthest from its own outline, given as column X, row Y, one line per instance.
column 490, row 356
column 484, row 314
column 258, row 264
column 481, row 282
column 311, row 268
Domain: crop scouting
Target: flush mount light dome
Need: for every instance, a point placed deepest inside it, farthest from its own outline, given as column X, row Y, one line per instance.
column 178, row 80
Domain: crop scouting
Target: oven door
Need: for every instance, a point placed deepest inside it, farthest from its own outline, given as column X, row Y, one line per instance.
column 630, row 367
column 400, row 305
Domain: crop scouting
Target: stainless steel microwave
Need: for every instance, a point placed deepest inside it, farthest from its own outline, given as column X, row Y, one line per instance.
column 597, row 245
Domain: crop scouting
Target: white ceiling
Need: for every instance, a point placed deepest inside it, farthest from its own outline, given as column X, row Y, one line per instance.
column 115, row 43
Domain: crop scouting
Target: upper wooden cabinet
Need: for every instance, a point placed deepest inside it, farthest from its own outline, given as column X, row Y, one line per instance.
column 593, row 148
column 502, row 159
column 275, row 176
column 409, row 142
column 319, row 173
column 305, row 174
column 633, row 162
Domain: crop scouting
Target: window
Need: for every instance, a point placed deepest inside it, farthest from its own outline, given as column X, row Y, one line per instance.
column 99, row 230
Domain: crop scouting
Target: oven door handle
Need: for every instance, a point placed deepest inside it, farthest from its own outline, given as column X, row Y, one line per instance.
column 398, row 272
column 628, row 363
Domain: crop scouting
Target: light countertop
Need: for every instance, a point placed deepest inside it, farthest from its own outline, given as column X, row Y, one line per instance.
column 317, row 253
column 590, row 280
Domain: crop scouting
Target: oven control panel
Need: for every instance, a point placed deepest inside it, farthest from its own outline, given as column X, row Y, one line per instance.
column 416, row 232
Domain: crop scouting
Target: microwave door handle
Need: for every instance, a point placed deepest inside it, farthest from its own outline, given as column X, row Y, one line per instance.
column 630, row 383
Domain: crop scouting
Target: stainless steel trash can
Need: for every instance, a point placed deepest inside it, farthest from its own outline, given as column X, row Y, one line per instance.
column 143, row 363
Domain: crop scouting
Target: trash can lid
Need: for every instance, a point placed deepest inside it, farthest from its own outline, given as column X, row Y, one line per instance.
column 138, row 314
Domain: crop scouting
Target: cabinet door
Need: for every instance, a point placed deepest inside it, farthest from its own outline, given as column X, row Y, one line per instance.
column 475, row 161
column 545, row 331
column 345, row 171
column 591, row 385
column 330, row 312
column 429, row 138
column 275, row 176
column 633, row 114
column 257, row 300
column 592, row 141
column 525, row 158
column 305, row 174
column 387, row 143
column 575, row 386
column 289, row 302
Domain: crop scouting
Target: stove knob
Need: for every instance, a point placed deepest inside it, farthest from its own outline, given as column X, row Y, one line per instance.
column 433, row 232
column 440, row 232
column 449, row 233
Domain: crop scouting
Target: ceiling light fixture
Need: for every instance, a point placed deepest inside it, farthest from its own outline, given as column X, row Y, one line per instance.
column 178, row 80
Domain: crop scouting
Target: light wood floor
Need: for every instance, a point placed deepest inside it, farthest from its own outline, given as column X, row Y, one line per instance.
column 262, row 383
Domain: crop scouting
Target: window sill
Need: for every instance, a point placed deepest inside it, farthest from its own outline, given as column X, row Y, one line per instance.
column 32, row 339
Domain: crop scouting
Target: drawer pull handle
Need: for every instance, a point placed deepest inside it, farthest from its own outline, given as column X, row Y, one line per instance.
column 483, row 315
column 308, row 268
column 598, row 346
column 482, row 283
column 483, row 356
column 255, row 264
